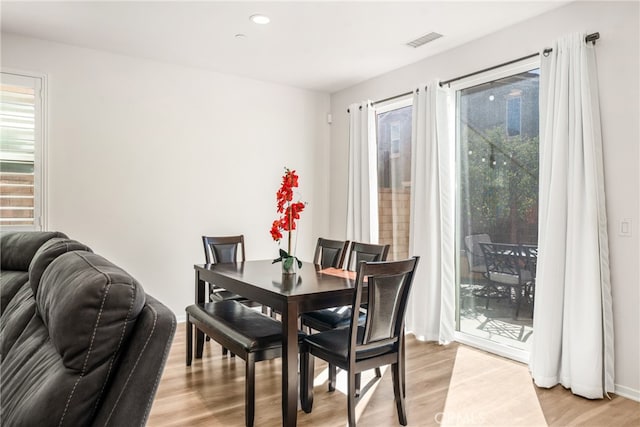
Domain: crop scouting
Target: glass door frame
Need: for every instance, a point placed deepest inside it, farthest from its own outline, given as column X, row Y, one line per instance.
column 456, row 87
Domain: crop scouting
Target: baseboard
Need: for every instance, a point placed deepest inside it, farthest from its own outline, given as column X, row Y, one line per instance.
column 181, row 318
column 628, row 392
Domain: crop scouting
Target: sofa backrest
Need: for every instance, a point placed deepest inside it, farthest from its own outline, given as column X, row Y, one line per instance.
column 17, row 248
column 47, row 253
column 17, row 304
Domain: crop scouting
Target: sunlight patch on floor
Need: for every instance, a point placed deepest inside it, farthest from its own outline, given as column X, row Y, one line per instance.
column 322, row 378
column 488, row 390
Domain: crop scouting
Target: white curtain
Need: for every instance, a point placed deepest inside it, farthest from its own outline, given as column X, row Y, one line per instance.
column 431, row 307
column 573, row 341
column 362, row 201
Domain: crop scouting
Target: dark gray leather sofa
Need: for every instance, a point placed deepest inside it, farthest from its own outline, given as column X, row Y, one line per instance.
column 81, row 344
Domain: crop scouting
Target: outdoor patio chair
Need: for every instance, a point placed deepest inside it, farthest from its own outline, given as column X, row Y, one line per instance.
column 474, row 255
column 505, row 268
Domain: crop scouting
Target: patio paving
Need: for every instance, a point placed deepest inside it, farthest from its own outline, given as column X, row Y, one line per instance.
column 496, row 323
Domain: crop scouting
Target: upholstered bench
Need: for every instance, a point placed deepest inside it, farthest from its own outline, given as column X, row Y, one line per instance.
column 249, row 334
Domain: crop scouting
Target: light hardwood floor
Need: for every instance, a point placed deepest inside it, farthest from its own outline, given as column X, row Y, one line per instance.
column 211, row 392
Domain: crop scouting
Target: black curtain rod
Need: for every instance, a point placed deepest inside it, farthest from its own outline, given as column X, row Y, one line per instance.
column 391, row 98
column 591, row 38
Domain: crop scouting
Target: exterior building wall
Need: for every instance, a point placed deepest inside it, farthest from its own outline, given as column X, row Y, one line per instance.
column 393, row 214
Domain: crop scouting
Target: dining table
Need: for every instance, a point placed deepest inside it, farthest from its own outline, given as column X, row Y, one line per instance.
column 310, row 288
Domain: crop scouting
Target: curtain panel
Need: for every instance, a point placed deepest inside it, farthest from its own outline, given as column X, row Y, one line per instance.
column 431, row 307
column 573, row 322
column 362, row 195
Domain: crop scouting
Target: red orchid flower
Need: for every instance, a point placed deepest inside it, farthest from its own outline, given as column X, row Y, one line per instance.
column 289, row 210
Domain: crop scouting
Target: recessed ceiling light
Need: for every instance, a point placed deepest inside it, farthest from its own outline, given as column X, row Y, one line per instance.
column 260, row 19
column 241, row 36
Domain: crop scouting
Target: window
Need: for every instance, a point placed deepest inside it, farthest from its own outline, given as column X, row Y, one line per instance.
column 21, row 135
column 393, row 135
column 513, row 115
column 497, row 201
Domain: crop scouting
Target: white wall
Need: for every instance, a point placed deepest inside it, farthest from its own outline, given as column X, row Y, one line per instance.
column 145, row 157
column 618, row 67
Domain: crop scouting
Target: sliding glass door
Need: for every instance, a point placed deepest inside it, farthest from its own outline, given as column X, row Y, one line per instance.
column 497, row 208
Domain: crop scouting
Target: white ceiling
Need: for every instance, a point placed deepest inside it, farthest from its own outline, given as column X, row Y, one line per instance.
column 317, row 45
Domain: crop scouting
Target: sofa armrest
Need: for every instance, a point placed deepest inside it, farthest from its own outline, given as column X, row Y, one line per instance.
column 139, row 368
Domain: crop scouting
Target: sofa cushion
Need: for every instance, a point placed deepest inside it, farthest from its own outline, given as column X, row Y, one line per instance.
column 49, row 251
column 18, row 248
column 60, row 366
column 15, row 317
column 10, row 283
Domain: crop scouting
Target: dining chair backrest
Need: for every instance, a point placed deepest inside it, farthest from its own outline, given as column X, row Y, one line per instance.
column 475, row 257
column 365, row 252
column 504, row 262
column 223, row 249
column 388, row 285
column 330, row 253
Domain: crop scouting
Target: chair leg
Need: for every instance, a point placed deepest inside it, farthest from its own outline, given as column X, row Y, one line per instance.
column 398, row 387
column 250, row 390
column 199, row 343
column 357, row 380
column 402, row 364
column 332, row 377
column 224, row 351
column 351, row 398
column 306, row 381
column 189, row 348
column 378, row 373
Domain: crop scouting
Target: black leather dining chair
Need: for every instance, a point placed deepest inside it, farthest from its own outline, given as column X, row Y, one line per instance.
column 331, row 318
column 377, row 342
column 220, row 250
column 330, row 253
column 339, row 317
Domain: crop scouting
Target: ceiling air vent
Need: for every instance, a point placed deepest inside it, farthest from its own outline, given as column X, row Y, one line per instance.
column 424, row 39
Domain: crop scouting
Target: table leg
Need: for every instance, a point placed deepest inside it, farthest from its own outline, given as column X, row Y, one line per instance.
column 200, row 294
column 290, row 365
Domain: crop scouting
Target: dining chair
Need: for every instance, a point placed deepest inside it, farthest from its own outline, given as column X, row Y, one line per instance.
column 505, row 268
column 222, row 249
column 331, row 318
column 339, row 317
column 330, row 253
column 377, row 342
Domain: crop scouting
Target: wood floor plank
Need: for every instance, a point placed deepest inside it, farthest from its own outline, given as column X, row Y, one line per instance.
column 211, row 393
